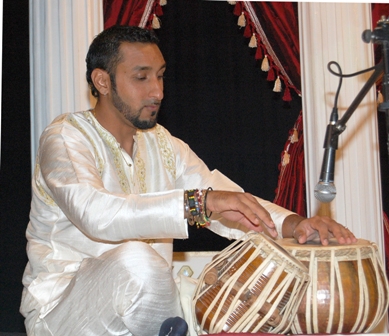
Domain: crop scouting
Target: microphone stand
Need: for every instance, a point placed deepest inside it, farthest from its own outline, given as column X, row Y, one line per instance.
column 340, row 125
column 379, row 35
column 325, row 190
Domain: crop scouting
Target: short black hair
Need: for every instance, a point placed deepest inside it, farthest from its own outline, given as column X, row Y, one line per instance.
column 104, row 52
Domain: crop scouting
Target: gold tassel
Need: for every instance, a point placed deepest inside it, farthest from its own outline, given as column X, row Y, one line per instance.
column 294, row 137
column 285, row 158
column 242, row 20
column 156, row 24
column 265, row 64
column 380, row 98
column 162, row 2
column 232, row 2
column 277, row 85
column 253, row 42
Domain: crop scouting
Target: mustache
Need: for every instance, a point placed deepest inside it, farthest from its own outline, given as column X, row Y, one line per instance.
column 153, row 102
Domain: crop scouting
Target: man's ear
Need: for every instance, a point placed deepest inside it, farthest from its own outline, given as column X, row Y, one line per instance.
column 101, row 80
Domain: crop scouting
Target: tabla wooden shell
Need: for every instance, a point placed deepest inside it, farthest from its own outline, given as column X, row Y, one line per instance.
column 251, row 286
column 348, row 292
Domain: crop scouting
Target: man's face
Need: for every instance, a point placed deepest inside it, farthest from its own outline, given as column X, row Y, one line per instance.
column 137, row 91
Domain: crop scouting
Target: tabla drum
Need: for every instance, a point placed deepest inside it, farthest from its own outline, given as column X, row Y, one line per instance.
column 251, row 286
column 348, row 292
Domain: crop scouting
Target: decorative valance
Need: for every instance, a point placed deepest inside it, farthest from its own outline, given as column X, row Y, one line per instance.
column 272, row 28
column 142, row 13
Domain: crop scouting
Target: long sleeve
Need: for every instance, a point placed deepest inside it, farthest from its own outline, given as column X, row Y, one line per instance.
column 69, row 175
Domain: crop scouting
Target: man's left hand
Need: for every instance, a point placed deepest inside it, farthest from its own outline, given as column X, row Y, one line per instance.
column 315, row 228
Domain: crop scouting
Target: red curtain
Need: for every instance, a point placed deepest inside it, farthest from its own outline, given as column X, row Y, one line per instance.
column 130, row 12
column 290, row 192
column 275, row 27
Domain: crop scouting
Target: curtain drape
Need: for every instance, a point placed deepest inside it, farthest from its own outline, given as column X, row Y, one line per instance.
column 275, row 29
column 290, row 192
column 140, row 13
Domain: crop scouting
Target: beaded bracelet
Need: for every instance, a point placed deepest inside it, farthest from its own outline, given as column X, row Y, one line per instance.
column 195, row 205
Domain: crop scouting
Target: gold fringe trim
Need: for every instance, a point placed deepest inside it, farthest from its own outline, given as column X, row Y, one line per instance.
column 277, row 85
column 380, row 98
column 162, row 2
column 242, row 20
column 253, row 42
column 156, row 24
column 265, row 64
column 285, row 158
column 232, row 2
column 294, row 137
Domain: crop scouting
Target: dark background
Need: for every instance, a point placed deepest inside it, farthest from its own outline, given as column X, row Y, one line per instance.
column 216, row 99
column 15, row 170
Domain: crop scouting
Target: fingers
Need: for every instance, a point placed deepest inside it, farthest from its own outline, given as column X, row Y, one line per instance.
column 243, row 208
column 322, row 228
column 300, row 235
column 343, row 234
column 255, row 212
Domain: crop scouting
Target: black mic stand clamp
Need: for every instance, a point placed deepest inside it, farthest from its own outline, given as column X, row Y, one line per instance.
column 380, row 35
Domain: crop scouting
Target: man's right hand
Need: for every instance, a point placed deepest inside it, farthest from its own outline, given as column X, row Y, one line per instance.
column 241, row 207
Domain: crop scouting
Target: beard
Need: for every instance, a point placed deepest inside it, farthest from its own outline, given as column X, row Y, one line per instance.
column 131, row 114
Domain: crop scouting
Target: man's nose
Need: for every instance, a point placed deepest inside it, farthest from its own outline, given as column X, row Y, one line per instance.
column 157, row 88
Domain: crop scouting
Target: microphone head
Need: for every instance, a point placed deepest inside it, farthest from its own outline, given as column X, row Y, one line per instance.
column 366, row 36
column 325, row 191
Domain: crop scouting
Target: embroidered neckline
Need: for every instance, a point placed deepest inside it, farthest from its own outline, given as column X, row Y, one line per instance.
column 114, row 148
column 100, row 163
column 164, row 146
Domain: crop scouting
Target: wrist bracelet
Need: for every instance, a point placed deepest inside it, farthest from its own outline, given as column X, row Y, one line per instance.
column 195, row 206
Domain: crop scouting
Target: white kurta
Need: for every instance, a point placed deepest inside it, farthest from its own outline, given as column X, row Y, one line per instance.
column 90, row 196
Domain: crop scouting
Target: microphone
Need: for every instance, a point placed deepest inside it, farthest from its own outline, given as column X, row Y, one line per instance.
column 325, row 190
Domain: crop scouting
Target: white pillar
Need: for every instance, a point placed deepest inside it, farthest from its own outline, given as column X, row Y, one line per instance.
column 332, row 32
column 60, row 34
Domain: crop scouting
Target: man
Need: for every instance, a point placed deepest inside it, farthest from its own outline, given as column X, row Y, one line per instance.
column 111, row 191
